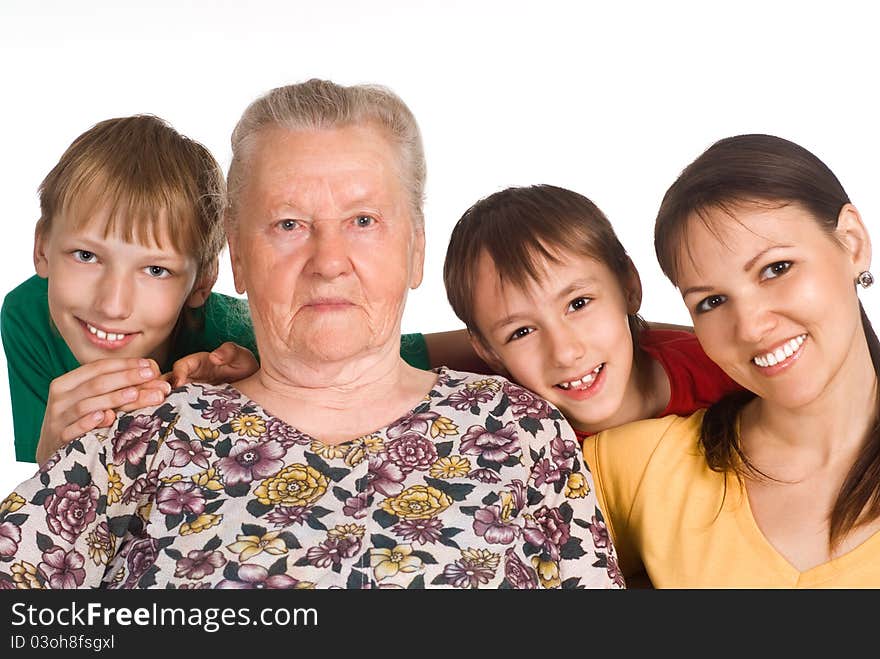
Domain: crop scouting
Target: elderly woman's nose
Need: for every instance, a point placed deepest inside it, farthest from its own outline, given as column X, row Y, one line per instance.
column 330, row 255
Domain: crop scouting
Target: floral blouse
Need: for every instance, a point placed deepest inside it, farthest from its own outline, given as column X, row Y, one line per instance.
column 482, row 485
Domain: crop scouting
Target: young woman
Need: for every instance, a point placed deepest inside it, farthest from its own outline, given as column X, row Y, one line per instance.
column 778, row 486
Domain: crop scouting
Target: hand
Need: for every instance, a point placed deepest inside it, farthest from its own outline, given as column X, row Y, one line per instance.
column 228, row 363
column 86, row 397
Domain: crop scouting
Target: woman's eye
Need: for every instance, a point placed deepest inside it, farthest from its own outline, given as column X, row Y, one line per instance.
column 288, row 225
column 84, row 256
column 364, row 221
column 710, row 303
column 157, row 271
column 775, row 269
column 519, row 333
column 578, row 303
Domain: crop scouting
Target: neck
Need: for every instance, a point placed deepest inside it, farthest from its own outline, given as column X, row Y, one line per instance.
column 338, row 401
column 832, row 425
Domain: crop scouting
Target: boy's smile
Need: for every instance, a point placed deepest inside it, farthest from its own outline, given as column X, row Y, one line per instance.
column 109, row 297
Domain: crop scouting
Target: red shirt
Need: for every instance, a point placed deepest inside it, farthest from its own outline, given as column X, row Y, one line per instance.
column 695, row 381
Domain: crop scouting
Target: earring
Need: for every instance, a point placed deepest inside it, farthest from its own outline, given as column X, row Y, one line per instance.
column 865, row 279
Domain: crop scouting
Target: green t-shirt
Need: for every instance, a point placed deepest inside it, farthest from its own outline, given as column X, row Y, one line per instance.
column 36, row 353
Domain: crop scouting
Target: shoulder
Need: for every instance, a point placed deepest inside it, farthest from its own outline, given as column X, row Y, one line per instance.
column 632, row 446
column 25, row 319
column 23, row 296
column 220, row 301
column 494, row 402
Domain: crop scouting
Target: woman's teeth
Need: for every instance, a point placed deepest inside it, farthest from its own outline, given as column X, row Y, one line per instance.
column 583, row 382
column 105, row 336
column 781, row 353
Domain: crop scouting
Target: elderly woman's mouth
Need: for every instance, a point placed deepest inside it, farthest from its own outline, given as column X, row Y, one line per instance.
column 328, row 304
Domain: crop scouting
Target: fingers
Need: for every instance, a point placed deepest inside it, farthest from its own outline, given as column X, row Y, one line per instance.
column 98, row 419
column 89, row 373
column 148, row 394
column 190, row 368
column 103, row 376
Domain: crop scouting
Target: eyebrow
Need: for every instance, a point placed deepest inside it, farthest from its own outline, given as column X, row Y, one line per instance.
column 748, row 266
column 560, row 295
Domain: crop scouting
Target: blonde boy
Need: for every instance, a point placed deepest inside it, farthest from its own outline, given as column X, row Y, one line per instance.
column 125, row 252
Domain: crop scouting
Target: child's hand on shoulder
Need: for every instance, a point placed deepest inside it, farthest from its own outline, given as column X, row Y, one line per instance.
column 86, row 397
column 228, row 363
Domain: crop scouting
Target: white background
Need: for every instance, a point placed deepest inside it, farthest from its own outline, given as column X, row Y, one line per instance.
column 609, row 99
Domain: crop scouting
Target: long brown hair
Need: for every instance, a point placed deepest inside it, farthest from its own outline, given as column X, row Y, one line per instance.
column 749, row 168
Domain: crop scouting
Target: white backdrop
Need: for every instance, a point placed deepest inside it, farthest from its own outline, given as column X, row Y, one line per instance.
column 609, row 99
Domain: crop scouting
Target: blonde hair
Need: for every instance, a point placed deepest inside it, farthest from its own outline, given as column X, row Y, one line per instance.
column 156, row 183
column 321, row 104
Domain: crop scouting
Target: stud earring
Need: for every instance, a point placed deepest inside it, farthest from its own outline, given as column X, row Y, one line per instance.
column 865, row 279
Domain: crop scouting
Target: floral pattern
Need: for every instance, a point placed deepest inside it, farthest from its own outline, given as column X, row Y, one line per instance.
column 480, row 486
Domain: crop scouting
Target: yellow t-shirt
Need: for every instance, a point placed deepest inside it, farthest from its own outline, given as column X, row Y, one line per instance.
column 669, row 515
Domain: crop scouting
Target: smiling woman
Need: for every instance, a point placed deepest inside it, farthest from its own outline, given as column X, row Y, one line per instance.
column 336, row 464
column 776, row 486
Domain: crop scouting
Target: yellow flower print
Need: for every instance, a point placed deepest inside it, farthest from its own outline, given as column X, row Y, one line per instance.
column 295, row 485
column 114, row 485
column 508, row 505
column 373, row 443
column 481, row 557
column 356, row 454
column 548, row 572
column 417, row 502
column 144, row 511
column 576, row 487
column 12, row 503
column 24, row 575
column 200, row 523
column 454, row 466
column 361, row 447
column 346, row 531
column 100, row 545
column 388, row 562
column 249, row 546
column 488, row 383
column 208, row 434
column 305, row 585
column 248, row 424
column 208, row 480
column 443, row 426
column 326, row 451
column 168, row 480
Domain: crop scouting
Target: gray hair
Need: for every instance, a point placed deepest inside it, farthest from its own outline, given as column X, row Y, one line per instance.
column 321, row 104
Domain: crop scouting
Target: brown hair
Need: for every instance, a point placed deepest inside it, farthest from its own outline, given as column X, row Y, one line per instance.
column 156, row 182
column 764, row 168
column 522, row 227
column 321, row 104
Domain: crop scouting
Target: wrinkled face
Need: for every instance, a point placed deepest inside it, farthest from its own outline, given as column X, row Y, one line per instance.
column 772, row 297
column 323, row 244
column 109, row 297
column 565, row 338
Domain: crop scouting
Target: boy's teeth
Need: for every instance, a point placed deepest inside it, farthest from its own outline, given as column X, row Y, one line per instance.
column 108, row 336
column 586, row 380
column 781, row 353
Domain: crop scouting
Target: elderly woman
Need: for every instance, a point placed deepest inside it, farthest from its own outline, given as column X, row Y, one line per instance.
column 336, row 464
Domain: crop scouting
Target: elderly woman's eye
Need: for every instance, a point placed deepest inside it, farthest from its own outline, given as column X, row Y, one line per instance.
column 288, row 225
column 364, row 221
